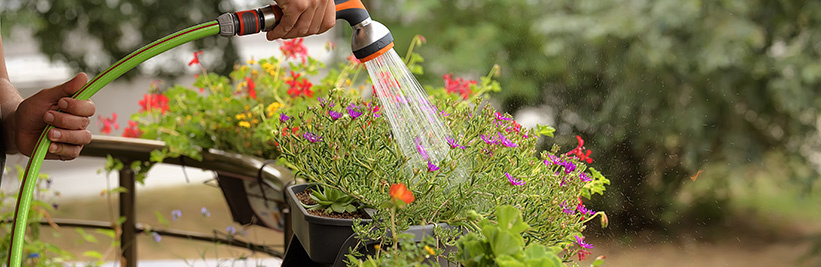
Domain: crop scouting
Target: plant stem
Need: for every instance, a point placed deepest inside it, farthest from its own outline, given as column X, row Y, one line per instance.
column 393, row 231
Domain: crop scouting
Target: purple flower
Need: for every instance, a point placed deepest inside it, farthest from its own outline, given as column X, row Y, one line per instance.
column 453, row 143
column 176, row 214
column 585, row 177
column 488, row 140
column 334, row 115
column 231, row 230
column 514, row 181
column 34, row 255
column 584, row 210
column 421, row 149
column 156, row 237
column 54, row 205
column 353, row 111
column 283, row 117
column 500, row 117
column 582, row 244
column 312, row 137
column 205, row 212
column 432, row 167
column 323, row 102
column 567, row 209
column 568, row 166
column 506, row 142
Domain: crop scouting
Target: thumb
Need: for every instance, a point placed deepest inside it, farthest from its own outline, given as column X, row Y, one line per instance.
column 68, row 88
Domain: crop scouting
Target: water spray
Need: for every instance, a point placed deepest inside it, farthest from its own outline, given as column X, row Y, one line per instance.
column 415, row 124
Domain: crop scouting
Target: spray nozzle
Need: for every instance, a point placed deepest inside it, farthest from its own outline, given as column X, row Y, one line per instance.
column 370, row 38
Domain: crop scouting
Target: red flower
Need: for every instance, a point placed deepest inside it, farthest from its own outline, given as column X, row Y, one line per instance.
column 132, row 130
column 299, row 87
column 293, row 130
column 196, row 59
column 458, row 86
column 251, row 86
column 400, row 192
column 578, row 151
column 583, row 254
column 109, row 123
column 154, row 101
column 293, row 48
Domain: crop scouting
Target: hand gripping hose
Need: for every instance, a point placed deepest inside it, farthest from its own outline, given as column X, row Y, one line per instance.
column 370, row 39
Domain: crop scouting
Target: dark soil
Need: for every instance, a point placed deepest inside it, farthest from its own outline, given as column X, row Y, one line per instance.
column 305, row 198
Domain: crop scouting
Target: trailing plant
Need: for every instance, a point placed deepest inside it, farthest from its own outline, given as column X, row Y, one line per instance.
column 324, row 124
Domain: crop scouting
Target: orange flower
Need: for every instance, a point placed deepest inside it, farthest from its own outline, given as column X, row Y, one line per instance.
column 400, row 192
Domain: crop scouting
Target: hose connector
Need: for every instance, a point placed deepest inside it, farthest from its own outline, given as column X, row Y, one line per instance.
column 249, row 21
column 370, row 38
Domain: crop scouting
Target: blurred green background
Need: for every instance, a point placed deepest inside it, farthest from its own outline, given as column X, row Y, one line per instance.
column 703, row 114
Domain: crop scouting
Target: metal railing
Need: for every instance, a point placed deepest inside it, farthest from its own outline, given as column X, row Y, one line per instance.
column 234, row 173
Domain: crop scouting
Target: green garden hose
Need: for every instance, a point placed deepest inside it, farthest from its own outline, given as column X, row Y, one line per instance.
column 36, row 160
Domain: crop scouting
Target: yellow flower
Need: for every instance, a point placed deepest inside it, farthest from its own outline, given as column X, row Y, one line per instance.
column 254, row 121
column 251, row 61
column 240, row 116
column 244, row 124
column 430, row 250
column 273, row 107
column 377, row 246
column 254, row 72
column 347, row 81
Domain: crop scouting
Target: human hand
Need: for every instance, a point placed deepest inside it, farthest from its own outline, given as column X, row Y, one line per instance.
column 302, row 18
column 69, row 133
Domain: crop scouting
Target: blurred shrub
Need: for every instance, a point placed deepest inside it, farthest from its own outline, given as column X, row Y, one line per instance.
column 667, row 88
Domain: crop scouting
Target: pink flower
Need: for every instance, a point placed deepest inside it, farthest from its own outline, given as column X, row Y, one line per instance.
column 514, row 181
column 108, row 123
column 154, row 101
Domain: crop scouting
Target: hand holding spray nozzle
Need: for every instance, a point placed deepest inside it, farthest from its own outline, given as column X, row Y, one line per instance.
column 370, row 38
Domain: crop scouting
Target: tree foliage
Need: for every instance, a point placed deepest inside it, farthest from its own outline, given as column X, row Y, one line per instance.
column 665, row 87
column 91, row 35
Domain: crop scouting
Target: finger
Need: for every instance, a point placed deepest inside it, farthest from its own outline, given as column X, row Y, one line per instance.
column 329, row 18
column 302, row 26
column 77, row 107
column 318, row 19
column 63, row 151
column 75, row 137
column 290, row 14
column 68, row 88
column 66, row 121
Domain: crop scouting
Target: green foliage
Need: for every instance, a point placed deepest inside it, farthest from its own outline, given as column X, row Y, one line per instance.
column 329, row 199
column 408, row 253
column 662, row 88
column 91, row 35
column 503, row 244
column 356, row 153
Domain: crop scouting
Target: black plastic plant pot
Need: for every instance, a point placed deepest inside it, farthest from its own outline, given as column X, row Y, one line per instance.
column 321, row 237
column 419, row 232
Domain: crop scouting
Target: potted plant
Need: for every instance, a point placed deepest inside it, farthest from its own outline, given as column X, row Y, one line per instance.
column 332, row 134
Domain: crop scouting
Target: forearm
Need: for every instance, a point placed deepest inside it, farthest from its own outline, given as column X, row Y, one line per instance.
column 9, row 100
